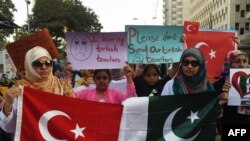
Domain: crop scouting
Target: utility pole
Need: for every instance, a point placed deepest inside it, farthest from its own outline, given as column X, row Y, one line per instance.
column 28, row 20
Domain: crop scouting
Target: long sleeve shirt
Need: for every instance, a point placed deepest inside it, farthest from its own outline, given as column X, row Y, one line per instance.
column 8, row 124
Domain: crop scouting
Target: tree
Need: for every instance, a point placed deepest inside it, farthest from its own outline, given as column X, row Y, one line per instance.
column 60, row 16
column 21, row 32
column 6, row 9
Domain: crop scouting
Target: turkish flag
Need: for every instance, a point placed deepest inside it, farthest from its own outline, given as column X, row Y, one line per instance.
column 191, row 27
column 214, row 45
column 46, row 116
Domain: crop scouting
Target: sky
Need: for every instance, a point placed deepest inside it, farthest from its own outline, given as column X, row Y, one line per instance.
column 113, row 14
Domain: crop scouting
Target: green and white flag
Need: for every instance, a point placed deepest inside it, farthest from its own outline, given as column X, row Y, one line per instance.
column 170, row 118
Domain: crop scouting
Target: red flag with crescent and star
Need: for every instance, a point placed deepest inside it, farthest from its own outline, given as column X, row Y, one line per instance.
column 46, row 116
column 214, row 45
column 191, row 27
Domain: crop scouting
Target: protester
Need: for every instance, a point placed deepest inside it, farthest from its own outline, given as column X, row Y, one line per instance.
column 57, row 70
column 85, row 78
column 138, row 69
column 149, row 82
column 38, row 75
column 3, row 135
column 118, row 76
column 103, row 93
column 5, row 81
column 191, row 78
column 233, row 115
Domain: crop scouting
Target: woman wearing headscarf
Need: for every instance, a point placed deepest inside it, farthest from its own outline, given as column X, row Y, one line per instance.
column 38, row 70
column 191, row 76
column 234, row 116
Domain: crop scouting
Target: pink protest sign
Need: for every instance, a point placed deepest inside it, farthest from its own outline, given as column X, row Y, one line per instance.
column 96, row 50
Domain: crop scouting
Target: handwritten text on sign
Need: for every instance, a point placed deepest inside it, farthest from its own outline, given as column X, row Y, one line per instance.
column 154, row 44
column 96, row 50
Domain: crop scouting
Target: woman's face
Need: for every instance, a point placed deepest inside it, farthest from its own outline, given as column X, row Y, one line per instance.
column 102, row 80
column 240, row 61
column 43, row 66
column 151, row 77
column 190, row 66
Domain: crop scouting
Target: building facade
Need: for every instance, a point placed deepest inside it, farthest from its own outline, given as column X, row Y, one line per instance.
column 212, row 14
column 175, row 11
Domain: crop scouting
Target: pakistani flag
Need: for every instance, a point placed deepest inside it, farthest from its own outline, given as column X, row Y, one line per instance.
column 170, row 118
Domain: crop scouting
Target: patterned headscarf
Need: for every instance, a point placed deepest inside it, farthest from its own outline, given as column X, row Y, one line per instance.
column 233, row 54
column 192, row 84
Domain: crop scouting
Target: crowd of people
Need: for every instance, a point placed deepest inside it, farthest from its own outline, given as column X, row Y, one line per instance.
column 186, row 77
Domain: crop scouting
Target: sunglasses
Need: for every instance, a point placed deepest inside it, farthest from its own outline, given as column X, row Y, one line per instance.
column 193, row 63
column 47, row 63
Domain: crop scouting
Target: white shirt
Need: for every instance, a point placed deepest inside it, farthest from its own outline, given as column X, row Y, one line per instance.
column 8, row 124
column 168, row 88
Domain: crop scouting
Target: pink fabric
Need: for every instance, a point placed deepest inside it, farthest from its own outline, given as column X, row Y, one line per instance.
column 111, row 95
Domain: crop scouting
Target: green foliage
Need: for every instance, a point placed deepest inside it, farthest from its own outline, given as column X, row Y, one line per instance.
column 20, row 33
column 6, row 9
column 60, row 16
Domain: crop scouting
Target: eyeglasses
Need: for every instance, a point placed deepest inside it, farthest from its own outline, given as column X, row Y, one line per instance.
column 47, row 63
column 193, row 63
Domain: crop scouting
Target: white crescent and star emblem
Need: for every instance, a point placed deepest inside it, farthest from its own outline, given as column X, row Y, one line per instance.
column 43, row 125
column 198, row 45
column 168, row 132
column 190, row 28
column 211, row 53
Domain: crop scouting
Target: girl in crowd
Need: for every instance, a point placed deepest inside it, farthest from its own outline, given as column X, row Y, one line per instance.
column 149, row 82
column 102, row 93
column 38, row 69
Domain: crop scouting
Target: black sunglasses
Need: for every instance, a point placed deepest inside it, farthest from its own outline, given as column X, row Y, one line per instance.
column 47, row 63
column 193, row 63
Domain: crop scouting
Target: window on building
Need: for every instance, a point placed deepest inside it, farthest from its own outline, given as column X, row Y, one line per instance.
column 242, row 13
column 237, row 26
column 237, row 8
column 241, row 31
column 247, row 26
column 248, row 7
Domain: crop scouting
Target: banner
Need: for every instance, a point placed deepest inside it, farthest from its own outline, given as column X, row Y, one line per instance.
column 214, row 45
column 96, row 50
column 191, row 27
column 239, row 93
column 189, row 117
column 52, row 117
column 154, row 44
column 174, row 118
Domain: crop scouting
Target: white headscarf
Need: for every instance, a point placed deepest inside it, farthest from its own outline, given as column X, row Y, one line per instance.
column 31, row 56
